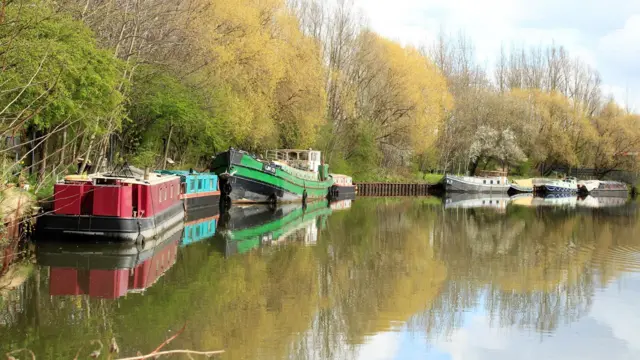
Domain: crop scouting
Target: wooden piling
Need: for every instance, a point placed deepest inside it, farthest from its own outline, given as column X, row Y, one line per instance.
column 396, row 189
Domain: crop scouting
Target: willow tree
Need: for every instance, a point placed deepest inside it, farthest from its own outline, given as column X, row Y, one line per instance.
column 618, row 140
column 400, row 94
column 265, row 76
column 55, row 78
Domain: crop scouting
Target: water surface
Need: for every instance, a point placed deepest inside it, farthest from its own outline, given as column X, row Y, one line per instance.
column 463, row 278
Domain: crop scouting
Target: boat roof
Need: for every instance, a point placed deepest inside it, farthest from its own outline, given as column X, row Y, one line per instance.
column 154, row 178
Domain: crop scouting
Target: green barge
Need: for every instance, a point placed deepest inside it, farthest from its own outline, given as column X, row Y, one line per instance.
column 285, row 175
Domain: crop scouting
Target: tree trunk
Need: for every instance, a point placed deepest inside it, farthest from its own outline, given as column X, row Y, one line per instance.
column 64, row 145
column 43, row 158
column 166, row 148
column 86, row 156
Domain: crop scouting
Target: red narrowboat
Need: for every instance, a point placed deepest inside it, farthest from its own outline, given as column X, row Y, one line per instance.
column 117, row 208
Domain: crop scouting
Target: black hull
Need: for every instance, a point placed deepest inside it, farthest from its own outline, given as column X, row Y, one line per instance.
column 106, row 229
column 252, row 191
column 342, row 193
column 202, row 202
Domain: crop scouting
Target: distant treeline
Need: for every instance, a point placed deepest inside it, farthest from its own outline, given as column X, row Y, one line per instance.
column 141, row 81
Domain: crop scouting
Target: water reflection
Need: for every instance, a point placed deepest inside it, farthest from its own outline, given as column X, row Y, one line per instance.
column 249, row 227
column 107, row 271
column 374, row 278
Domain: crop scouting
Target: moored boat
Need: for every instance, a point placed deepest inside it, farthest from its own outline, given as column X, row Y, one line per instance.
column 566, row 185
column 116, row 207
column 609, row 188
column 476, row 184
column 198, row 190
column 283, row 176
column 521, row 186
column 343, row 188
column 586, row 186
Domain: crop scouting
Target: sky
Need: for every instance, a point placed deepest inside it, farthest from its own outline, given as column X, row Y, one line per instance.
column 610, row 330
column 604, row 34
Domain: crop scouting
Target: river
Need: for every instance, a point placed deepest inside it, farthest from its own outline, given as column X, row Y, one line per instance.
column 378, row 278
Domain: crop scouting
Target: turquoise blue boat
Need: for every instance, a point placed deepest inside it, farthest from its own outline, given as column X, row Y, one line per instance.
column 198, row 190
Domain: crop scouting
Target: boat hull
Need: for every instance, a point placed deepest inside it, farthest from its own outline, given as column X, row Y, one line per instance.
column 342, row 192
column 517, row 189
column 456, row 184
column 244, row 179
column 202, row 201
column 553, row 189
column 92, row 228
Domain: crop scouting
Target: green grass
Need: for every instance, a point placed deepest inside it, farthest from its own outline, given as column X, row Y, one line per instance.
column 383, row 176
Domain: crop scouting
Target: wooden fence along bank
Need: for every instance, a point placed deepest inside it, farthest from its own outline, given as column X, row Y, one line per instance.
column 397, row 189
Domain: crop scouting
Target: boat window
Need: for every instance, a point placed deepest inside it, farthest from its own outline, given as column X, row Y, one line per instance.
column 498, row 182
column 209, row 229
column 491, row 182
column 192, row 185
column 484, row 181
column 165, row 194
column 171, row 195
column 160, row 195
column 201, row 184
column 293, row 156
column 211, row 187
column 303, row 156
column 197, row 231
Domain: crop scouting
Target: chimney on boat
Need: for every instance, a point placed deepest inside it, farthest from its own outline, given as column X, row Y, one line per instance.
column 146, row 173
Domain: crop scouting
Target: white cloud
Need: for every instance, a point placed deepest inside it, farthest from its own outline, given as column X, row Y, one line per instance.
column 610, row 331
column 381, row 346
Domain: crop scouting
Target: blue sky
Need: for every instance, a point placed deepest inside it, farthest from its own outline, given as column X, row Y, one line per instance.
column 610, row 330
column 605, row 34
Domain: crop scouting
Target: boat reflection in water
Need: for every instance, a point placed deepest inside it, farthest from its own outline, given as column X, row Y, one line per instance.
column 200, row 225
column 469, row 201
column 602, row 202
column 245, row 228
column 107, row 270
column 556, row 200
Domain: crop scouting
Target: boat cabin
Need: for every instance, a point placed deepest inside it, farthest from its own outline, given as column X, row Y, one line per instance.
column 342, row 180
column 116, row 196
column 308, row 160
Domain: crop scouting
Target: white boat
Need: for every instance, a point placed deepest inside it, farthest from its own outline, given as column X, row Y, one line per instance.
column 587, row 186
column 477, row 184
column 609, row 188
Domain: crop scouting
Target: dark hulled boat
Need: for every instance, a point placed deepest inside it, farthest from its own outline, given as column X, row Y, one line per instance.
column 343, row 188
column 124, row 207
column 282, row 176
